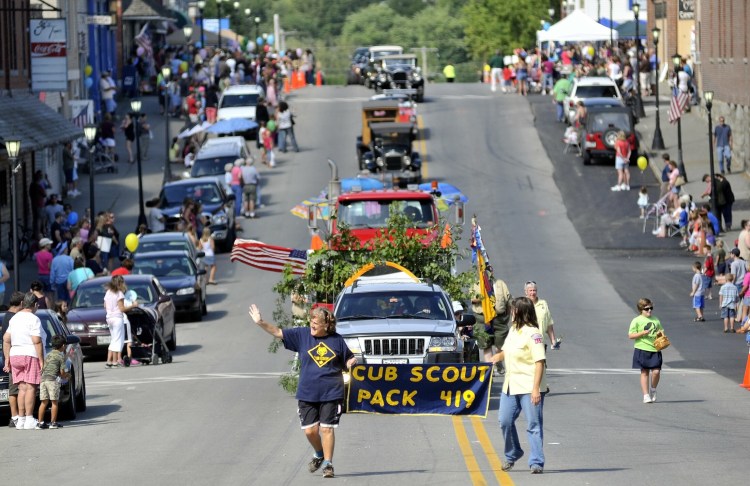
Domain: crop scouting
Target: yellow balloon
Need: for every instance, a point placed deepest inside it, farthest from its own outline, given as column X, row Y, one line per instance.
column 88, row 70
column 131, row 242
column 642, row 162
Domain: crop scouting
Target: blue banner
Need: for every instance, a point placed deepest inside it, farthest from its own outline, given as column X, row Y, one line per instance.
column 427, row 389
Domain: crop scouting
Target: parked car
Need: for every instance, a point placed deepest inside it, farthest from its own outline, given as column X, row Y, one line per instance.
column 589, row 87
column 169, row 241
column 603, row 123
column 240, row 101
column 400, row 72
column 72, row 393
column 391, row 153
column 358, row 66
column 184, row 282
column 214, row 154
column 86, row 317
column 217, row 205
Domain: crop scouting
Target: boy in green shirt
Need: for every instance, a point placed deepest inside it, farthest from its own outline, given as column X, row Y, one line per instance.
column 49, row 388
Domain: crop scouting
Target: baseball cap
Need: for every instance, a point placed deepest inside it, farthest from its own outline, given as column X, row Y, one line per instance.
column 45, row 242
column 457, row 307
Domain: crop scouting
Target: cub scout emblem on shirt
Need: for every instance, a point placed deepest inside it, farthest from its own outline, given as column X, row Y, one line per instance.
column 321, row 354
column 537, row 338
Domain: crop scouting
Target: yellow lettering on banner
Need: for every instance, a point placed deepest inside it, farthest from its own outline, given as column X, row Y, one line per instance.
column 450, row 374
column 391, row 373
column 416, row 374
column 430, row 371
column 390, row 394
column 363, row 395
column 408, row 398
column 357, row 373
column 482, row 372
column 373, row 376
column 377, row 399
column 468, row 378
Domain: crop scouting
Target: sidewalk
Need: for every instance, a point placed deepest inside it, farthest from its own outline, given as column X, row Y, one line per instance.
column 695, row 155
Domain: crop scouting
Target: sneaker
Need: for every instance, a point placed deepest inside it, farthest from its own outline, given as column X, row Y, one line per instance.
column 108, row 365
column 29, row 424
column 19, row 423
column 135, row 362
column 55, row 425
column 328, row 471
column 647, row 399
column 12, row 422
column 314, row 464
column 616, row 188
column 42, row 426
column 537, row 469
column 507, row 465
column 625, row 187
column 653, row 395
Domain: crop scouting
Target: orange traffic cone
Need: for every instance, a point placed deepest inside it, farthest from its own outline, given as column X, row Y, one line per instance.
column 301, row 79
column 318, row 79
column 287, row 85
column 447, row 239
column 316, row 243
column 746, row 381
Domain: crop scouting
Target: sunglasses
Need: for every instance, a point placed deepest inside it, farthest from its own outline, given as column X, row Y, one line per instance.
column 530, row 282
column 648, row 308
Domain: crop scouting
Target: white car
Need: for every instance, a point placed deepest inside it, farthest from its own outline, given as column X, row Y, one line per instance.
column 239, row 102
column 589, row 87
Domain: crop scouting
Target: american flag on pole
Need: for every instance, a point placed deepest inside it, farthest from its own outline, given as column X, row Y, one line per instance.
column 268, row 257
column 143, row 39
column 677, row 106
column 82, row 118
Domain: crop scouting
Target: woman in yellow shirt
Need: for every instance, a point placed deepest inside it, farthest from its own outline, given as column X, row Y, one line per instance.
column 524, row 387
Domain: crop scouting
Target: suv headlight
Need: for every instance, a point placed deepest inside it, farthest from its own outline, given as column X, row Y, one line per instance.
column 353, row 345
column 186, row 291
column 447, row 343
column 219, row 218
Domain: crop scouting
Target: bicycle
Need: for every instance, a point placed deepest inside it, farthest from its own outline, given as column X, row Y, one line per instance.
column 24, row 244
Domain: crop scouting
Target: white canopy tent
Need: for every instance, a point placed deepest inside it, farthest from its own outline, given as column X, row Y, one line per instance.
column 576, row 27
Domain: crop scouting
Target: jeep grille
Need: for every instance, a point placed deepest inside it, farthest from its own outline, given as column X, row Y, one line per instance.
column 395, row 347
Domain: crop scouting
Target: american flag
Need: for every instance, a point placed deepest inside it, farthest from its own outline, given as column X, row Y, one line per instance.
column 268, row 257
column 81, row 119
column 677, row 106
column 144, row 40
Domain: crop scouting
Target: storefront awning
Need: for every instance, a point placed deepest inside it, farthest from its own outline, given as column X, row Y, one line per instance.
column 34, row 123
column 144, row 10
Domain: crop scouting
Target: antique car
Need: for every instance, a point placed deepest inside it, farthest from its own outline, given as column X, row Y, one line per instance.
column 407, row 108
column 603, row 123
column 401, row 72
column 358, row 66
column 374, row 111
column 374, row 54
column 391, row 153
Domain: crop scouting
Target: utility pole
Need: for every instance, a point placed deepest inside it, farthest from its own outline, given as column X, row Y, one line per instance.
column 424, row 50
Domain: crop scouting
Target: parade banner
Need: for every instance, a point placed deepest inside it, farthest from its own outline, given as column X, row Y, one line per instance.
column 49, row 63
column 426, row 389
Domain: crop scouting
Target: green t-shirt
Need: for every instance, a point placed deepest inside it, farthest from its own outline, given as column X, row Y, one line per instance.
column 53, row 363
column 496, row 62
column 561, row 89
column 638, row 324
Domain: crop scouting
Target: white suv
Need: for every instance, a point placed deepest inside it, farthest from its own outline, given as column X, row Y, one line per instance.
column 589, row 87
column 239, row 102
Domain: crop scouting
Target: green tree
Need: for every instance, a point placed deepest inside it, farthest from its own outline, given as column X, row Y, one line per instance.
column 376, row 24
column 500, row 24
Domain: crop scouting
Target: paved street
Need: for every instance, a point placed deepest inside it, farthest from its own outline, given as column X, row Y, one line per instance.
column 216, row 415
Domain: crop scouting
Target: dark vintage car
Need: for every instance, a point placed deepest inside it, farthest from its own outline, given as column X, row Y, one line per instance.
column 86, row 317
column 217, row 206
column 400, row 72
column 603, row 123
column 358, row 66
column 391, row 153
column 184, row 282
column 72, row 393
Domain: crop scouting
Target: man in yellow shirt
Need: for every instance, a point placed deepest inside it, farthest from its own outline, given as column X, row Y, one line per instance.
column 449, row 72
column 543, row 316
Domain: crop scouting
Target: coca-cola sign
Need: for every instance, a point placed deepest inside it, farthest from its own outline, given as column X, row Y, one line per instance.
column 49, row 49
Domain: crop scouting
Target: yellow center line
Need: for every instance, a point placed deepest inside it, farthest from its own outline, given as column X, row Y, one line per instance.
column 495, row 463
column 477, row 478
column 422, row 147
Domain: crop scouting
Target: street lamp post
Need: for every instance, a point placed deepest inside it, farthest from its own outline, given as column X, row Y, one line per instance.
column 135, row 105
column 639, row 111
column 658, row 142
column 247, row 16
column 236, row 33
column 611, row 29
column 188, row 31
column 90, row 132
column 677, row 60
column 257, row 33
column 166, row 72
column 218, row 6
column 13, row 147
column 201, row 6
column 709, row 97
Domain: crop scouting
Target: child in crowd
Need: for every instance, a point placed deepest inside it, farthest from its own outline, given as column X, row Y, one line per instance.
column 697, row 292
column 49, row 388
column 643, row 201
column 720, row 258
column 728, row 301
column 708, row 273
column 267, row 138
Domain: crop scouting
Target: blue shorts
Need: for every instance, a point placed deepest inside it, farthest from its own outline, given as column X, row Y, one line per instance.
column 699, row 302
column 746, row 300
column 646, row 360
column 727, row 312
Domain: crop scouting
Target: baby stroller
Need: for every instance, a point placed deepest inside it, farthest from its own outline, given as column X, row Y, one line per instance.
column 148, row 344
column 103, row 163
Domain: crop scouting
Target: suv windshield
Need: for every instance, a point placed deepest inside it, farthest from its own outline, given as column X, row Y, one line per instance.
column 600, row 122
column 374, row 214
column 412, row 304
column 164, row 266
column 204, row 193
column 232, row 101
column 212, row 166
column 596, row 92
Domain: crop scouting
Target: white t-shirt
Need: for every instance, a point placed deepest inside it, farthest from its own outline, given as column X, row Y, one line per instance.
column 22, row 327
column 105, row 87
column 110, row 304
column 155, row 220
column 285, row 119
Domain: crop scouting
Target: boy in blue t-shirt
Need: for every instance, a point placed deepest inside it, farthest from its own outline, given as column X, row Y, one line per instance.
column 684, row 218
column 697, row 292
column 323, row 356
